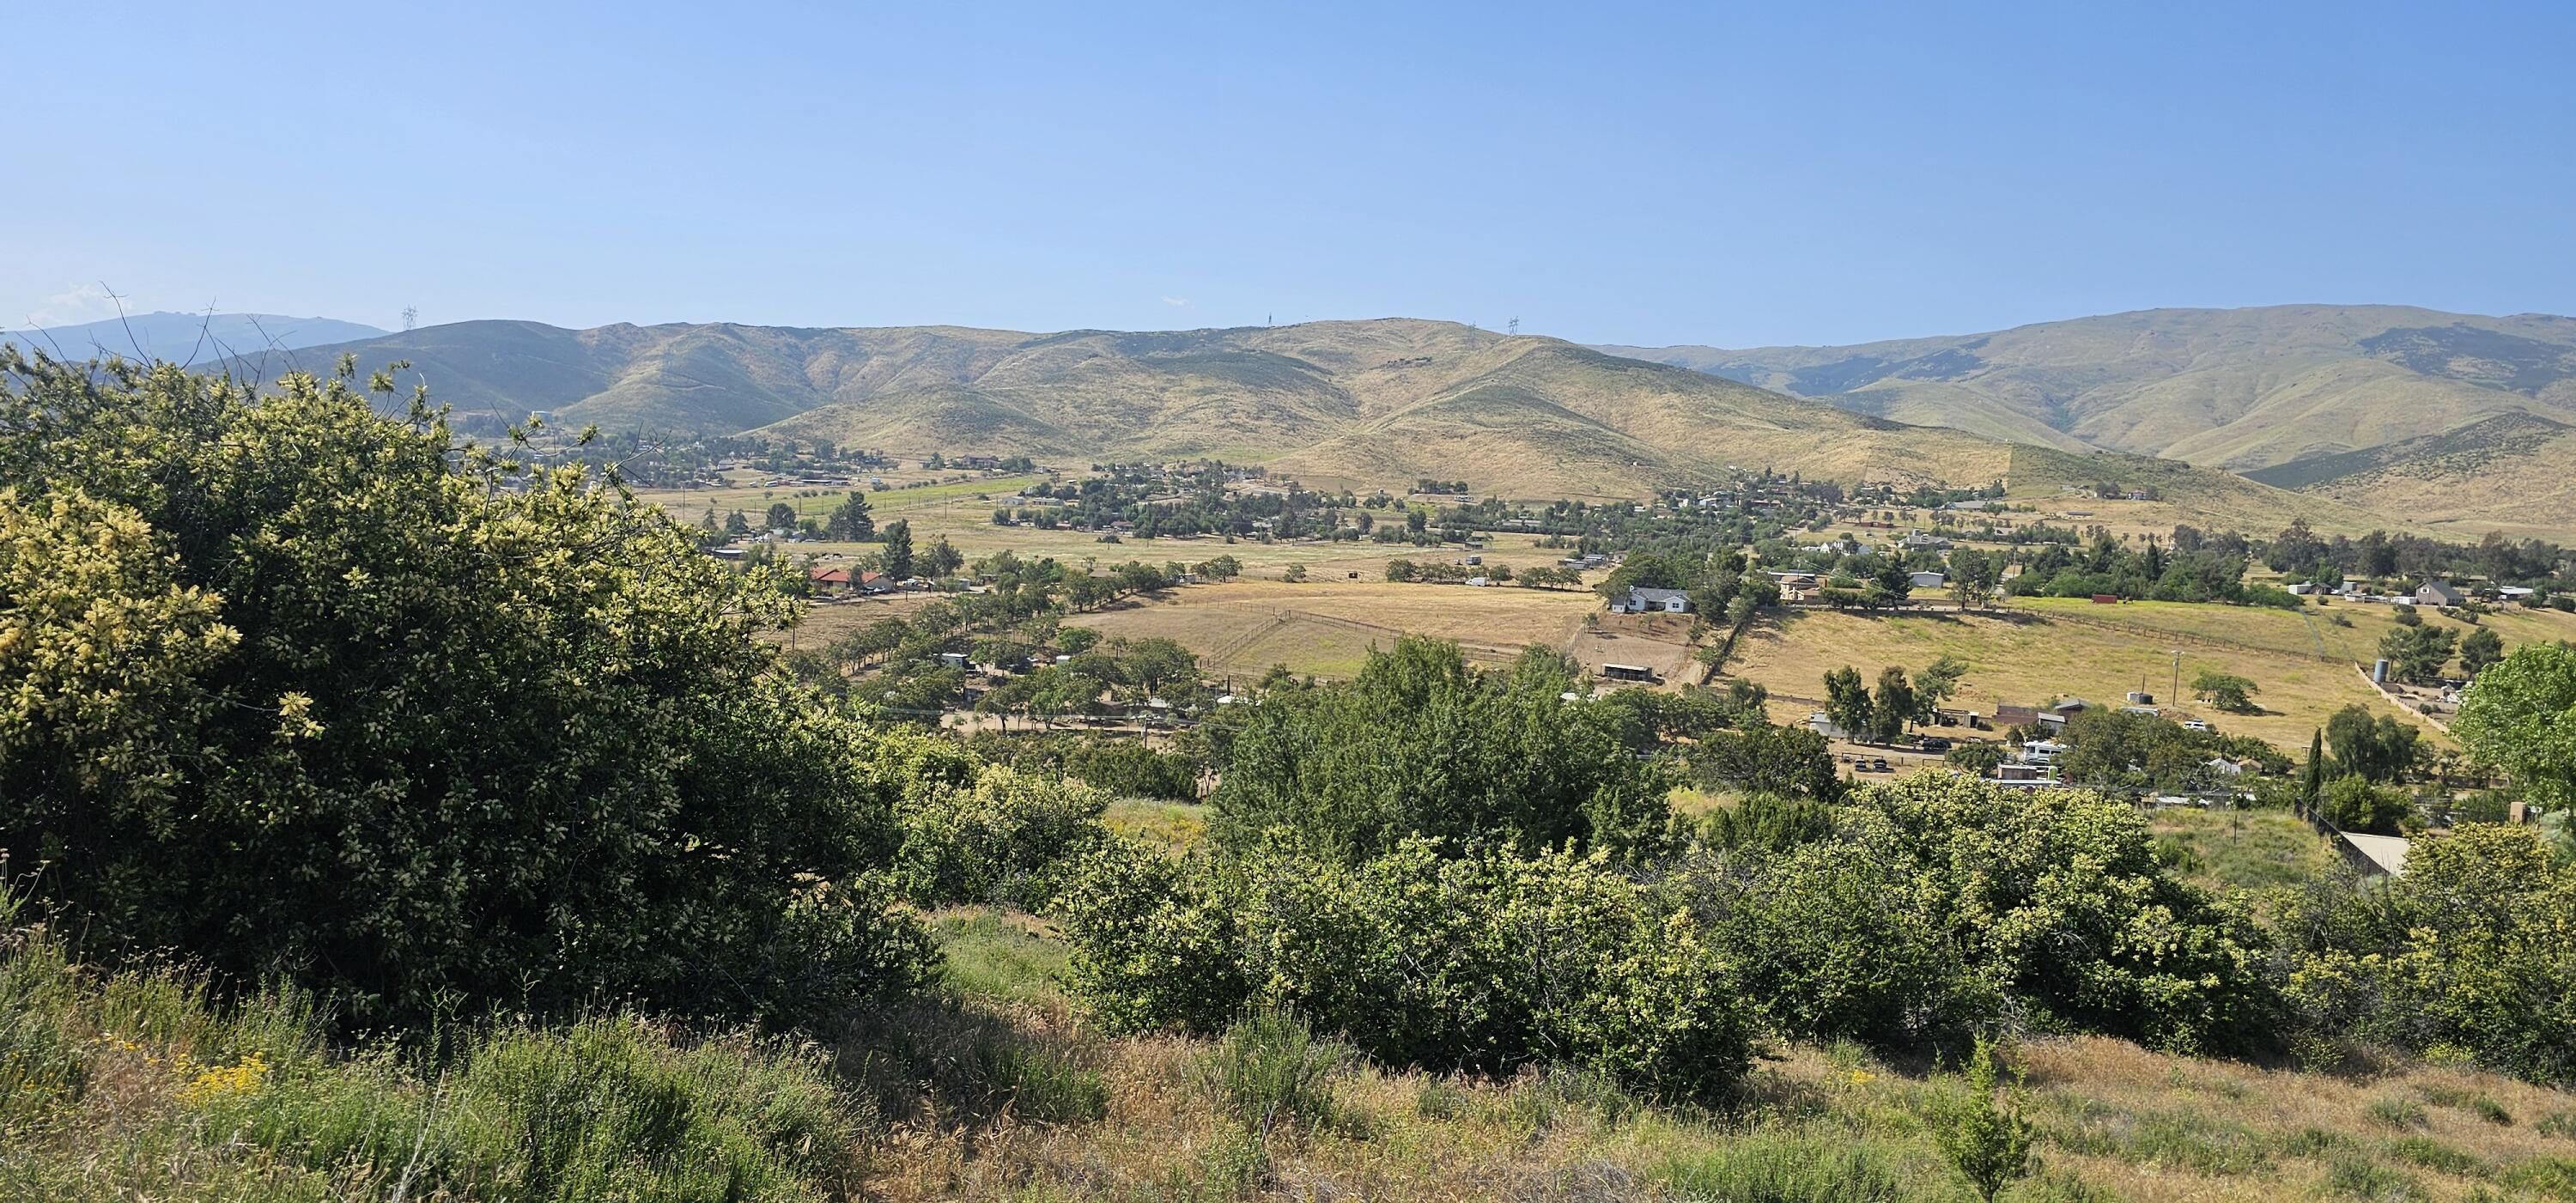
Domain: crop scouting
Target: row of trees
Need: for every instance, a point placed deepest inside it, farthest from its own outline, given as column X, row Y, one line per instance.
column 1898, row 702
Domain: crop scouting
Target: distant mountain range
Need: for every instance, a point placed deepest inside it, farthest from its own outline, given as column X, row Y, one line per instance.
column 2376, row 414
column 178, row 336
column 2432, row 417
column 1377, row 402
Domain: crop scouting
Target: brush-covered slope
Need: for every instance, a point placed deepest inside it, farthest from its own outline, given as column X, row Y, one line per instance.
column 2233, row 388
column 2183, row 494
column 2513, row 472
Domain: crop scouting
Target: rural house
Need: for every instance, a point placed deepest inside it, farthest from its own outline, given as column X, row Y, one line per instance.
column 1643, row 600
column 1930, row 580
column 2438, row 593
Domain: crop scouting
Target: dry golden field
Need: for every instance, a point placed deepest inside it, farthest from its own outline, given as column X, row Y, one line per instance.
column 1326, row 626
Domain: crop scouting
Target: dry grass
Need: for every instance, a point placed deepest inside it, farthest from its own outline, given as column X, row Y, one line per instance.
column 1327, row 626
column 2026, row 655
column 2117, row 1121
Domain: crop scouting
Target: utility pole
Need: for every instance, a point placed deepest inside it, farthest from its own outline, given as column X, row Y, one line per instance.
column 1516, row 327
column 2175, row 698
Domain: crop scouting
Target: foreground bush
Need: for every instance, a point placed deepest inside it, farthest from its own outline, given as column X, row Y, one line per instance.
column 1421, row 744
column 308, row 692
column 132, row 1084
column 1941, row 905
column 2472, row 954
column 1486, row 961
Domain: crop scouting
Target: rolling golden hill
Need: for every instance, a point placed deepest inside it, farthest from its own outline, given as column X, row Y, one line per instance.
column 2231, row 388
column 1361, row 403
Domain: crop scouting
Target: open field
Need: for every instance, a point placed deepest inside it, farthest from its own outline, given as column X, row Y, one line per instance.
column 2026, row 657
column 2246, row 851
column 2115, row 1121
column 1327, row 626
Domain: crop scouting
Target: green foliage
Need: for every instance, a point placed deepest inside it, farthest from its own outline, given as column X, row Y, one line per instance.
column 2379, row 748
column 1268, row 1069
column 896, row 556
column 2416, row 654
column 1765, row 822
column 2227, row 691
column 1484, row 961
column 1985, row 1137
column 1941, row 900
column 319, row 694
column 245, row 1100
column 1421, row 744
column 1892, row 706
column 2480, row 649
column 1847, row 701
column 999, row 839
column 1788, row 762
column 1977, row 757
column 2521, row 717
column 2474, row 930
column 2354, row 804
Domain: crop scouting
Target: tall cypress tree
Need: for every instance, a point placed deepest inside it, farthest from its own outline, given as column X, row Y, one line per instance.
column 2314, row 782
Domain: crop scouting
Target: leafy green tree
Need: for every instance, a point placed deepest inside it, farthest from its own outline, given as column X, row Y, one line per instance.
column 2416, row 654
column 2479, row 649
column 2377, row 748
column 1420, row 744
column 1787, row 762
column 1847, row 702
column 1938, row 682
column 2521, row 717
column 737, row 525
column 2352, row 803
column 1226, row 568
column 1893, row 706
column 1977, row 757
column 2227, row 691
column 336, row 705
column 897, row 554
column 1940, row 904
column 941, row 560
column 1417, row 955
column 850, row 521
column 782, row 516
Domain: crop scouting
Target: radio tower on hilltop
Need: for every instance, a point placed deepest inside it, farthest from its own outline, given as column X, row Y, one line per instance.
column 1516, row 326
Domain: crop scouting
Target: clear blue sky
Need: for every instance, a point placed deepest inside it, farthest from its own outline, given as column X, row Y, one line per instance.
column 1736, row 175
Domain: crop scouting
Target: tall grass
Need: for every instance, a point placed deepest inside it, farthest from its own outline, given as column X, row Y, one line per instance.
column 138, row 1083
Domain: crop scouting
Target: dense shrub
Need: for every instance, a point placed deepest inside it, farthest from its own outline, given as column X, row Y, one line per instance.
column 1120, row 768
column 999, row 839
column 1421, row 744
column 1484, row 961
column 2476, row 929
column 306, row 691
column 1943, row 902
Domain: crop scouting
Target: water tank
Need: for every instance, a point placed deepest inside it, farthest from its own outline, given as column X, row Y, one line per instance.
column 2379, row 672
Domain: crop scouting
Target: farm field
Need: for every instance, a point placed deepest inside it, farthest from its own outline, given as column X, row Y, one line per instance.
column 1326, row 626
column 2026, row 657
